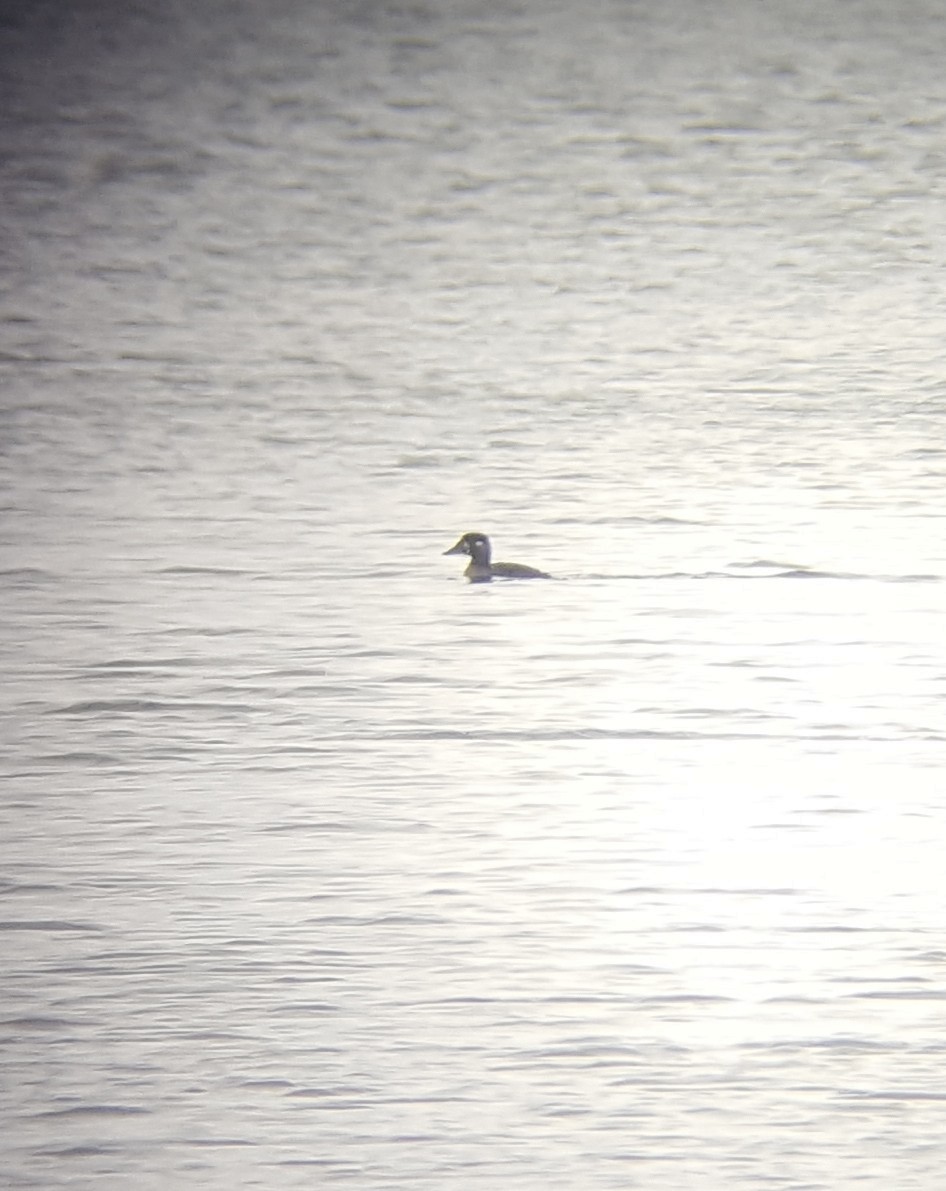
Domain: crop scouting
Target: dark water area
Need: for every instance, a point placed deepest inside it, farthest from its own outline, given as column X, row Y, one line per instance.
column 321, row 865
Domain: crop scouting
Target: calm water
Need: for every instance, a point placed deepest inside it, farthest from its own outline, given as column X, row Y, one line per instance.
column 324, row 868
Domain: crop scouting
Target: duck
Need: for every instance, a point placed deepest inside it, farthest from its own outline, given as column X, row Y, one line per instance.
column 482, row 570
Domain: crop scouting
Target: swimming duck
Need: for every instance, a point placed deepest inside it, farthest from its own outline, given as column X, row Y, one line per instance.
column 481, row 570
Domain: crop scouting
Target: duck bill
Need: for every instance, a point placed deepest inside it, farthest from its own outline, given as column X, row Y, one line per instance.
column 459, row 548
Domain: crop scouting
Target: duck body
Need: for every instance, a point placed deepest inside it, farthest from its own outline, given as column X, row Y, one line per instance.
column 482, row 569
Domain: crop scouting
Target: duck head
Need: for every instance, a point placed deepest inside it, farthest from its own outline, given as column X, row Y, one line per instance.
column 474, row 544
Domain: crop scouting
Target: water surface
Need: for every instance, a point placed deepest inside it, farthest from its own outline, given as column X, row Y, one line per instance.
column 324, row 867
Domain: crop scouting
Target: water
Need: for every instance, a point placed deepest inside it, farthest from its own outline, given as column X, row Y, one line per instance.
column 322, row 867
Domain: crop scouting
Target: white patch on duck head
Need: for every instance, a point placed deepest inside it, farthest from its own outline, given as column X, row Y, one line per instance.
column 477, row 546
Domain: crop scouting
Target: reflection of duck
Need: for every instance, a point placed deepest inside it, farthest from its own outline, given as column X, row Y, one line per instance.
column 481, row 570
